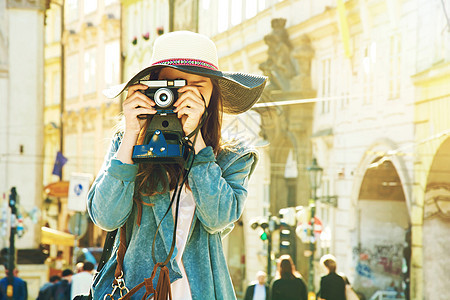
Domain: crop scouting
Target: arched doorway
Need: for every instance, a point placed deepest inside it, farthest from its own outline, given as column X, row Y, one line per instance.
column 382, row 223
column 436, row 226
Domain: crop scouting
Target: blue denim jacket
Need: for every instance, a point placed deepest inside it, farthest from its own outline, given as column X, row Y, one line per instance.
column 219, row 189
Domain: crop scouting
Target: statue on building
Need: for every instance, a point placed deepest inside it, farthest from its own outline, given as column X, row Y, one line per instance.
column 288, row 69
column 303, row 55
column 279, row 66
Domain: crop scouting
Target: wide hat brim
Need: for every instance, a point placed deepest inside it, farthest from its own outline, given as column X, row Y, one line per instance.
column 240, row 91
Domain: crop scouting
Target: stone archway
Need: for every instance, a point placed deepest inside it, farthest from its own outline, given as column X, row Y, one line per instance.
column 436, row 226
column 383, row 221
column 279, row 154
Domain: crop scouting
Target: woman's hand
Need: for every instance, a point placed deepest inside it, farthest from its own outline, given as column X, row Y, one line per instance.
column 189, row 108
column 134, row 105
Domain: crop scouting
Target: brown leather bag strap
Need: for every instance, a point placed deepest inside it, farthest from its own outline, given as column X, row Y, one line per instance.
column 162, row 290
column 118, row 274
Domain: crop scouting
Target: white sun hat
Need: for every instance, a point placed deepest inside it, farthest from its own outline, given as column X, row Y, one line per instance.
column 195, row 53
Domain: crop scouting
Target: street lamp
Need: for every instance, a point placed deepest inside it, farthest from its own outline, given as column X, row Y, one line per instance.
column 315, row 178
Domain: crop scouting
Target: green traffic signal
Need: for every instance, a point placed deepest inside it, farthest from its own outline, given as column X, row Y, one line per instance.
column 263, row 236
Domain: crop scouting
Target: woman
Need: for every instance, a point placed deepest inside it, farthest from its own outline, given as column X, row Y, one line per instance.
column 332, row 286
column 288, row 283
column 136, row 197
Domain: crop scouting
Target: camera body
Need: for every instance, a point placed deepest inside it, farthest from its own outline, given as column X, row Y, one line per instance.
column 163, row 141
column 163, row 92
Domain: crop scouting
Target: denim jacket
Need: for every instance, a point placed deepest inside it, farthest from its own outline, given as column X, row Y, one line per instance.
column 219, row 189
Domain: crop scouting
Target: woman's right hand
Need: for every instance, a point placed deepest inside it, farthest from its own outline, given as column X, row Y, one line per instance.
column 134, row 105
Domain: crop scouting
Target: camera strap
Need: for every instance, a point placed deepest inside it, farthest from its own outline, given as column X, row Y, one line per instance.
column 163, row 288
column 187, row 139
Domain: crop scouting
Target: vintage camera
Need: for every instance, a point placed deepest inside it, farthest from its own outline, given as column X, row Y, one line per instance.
column 163, row 142
column 163, row 92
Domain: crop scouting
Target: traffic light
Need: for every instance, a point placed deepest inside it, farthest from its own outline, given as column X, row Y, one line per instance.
column 287, row 240
column 4, row 257
column 263, row 236
column 263, row 223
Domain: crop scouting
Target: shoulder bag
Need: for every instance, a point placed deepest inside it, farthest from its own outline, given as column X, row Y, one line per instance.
column 107, row 248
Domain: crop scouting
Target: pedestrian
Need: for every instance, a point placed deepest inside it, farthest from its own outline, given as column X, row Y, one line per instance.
column 288, row 283
column 332, row 285
column 45, row 291
column 61, row 290
column 211, row 186
column 258, row 290
column 81, row 282
column 19, row 287
column 79, row 267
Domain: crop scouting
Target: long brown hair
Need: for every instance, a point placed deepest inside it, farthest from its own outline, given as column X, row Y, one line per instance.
column 286, row 268
column 159, row 178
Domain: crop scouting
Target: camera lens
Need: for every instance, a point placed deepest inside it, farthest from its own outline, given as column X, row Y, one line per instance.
column 164, row 97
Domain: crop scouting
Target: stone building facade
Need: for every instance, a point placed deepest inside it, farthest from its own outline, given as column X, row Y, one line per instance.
column 377, row 128
column 359, row 85
column 21, row 131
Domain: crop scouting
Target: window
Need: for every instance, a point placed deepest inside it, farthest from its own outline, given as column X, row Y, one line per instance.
column 108, row 2
column 56, row 28
column 261, row 5
column 70, row 151
column 53, row 25
column 266, row 199
column 394, row 67
column 251, row 8
column 344, row 82
column 72, row 10
column 326, row 85
column 56, row 85
column 206, row 4
column 87, row 152
column 234, row 12
column 112, row 63
column 89, row 71
column 223, row 16
column 368, row 73
column 72, row 83
column 236, row 8
column 133, row 28
column 90, row 6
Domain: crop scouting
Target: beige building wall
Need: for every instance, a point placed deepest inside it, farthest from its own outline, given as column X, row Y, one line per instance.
column 430, row 210
column 92, row 63
column 21, row 130
column 22, row 97
column 365, row 100
column 52, row 108
column 431, row 205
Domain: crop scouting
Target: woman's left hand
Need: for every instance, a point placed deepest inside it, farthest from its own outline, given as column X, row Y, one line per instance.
column 189, row 108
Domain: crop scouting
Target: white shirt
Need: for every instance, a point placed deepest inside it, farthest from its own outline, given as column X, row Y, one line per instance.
column 81, row 283
column 260, row 292
column 180, row 288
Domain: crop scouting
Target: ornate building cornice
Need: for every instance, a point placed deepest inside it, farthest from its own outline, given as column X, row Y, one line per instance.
column 26, row 4
column 111, row 26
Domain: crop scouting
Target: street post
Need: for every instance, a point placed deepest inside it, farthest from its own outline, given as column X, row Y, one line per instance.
column 11, row 256
column 315, row 177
